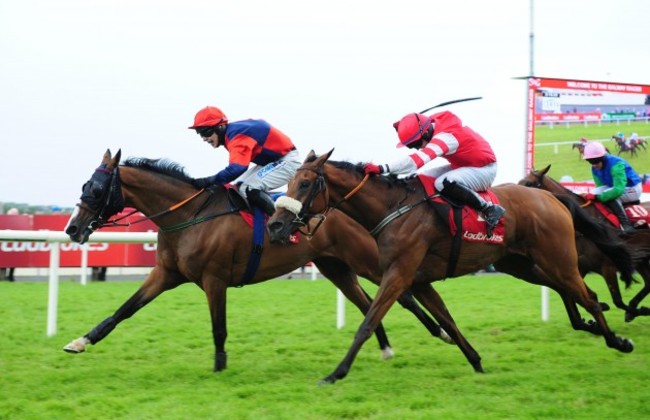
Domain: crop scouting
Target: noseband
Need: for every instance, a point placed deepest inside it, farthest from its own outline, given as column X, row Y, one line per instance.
column 109, row 203
column 320, row 187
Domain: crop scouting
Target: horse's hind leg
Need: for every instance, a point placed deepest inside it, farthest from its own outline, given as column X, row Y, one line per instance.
column 633, row 309
column 408, row 302
column 346, row 281
column 431, row 300
column 523, row 268
column 156, row 283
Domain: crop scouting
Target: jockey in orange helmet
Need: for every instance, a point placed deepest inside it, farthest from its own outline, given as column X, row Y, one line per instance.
column 472, row 164
column 261, row 158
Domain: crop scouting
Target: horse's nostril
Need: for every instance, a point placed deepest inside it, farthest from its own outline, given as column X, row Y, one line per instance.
column 275, row 226
column 71, row 230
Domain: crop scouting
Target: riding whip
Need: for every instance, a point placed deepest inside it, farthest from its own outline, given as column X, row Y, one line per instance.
column 455, row 101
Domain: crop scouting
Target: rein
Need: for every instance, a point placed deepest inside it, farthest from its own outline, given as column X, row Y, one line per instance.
column 114, row 193
column 300, row 217
column 170, row 209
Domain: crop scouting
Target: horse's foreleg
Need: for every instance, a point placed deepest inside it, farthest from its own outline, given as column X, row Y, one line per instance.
column 153, row 286
column 391, row 288
column 346, row 281
column 215, row 290
column 430, row 298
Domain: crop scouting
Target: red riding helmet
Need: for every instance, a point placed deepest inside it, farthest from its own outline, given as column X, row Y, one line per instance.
column 209, row 117
column 410, row 128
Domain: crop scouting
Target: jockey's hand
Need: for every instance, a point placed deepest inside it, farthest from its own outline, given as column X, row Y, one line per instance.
column 372, row 169
column 590, row 197
column 207, row 182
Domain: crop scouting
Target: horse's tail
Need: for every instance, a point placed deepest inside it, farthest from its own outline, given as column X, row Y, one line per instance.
column 606, row 238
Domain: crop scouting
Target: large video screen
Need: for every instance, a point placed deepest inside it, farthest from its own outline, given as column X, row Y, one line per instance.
column 564, row 114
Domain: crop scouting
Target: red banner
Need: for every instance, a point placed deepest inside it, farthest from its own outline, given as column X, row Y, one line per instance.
column 37, row 254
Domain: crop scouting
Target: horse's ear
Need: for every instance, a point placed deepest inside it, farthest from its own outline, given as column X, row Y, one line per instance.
column 545, row 170
column 117, row 157
column 107, row 157
column 311, row 155
column 330, row 153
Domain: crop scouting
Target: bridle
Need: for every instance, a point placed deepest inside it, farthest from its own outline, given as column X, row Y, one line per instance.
column 319, row 186
column 539, row 183
column 102, row 197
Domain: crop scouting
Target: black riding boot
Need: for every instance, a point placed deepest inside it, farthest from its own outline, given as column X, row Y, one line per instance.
column 262, row 200
column 491, row 212
column 617, row 207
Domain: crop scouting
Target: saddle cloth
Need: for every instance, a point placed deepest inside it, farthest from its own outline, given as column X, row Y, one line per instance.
column 638, row 215
column 473, row 226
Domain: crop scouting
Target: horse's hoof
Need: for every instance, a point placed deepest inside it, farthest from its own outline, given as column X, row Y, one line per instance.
column 604, row 306
column 387, row 353
column 327, row 381
column 627, row 346
column 478, row 368
column 446, row 337
column 220, row 361
column 76, row 346
column 629, row 316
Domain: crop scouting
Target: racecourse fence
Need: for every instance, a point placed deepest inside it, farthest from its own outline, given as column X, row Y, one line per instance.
column 56, row 238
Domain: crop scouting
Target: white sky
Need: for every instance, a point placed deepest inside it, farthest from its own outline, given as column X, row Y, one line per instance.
column 78, row 76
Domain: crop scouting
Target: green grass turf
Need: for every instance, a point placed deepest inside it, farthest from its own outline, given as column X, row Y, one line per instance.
column 282, row 341
column 567, row 161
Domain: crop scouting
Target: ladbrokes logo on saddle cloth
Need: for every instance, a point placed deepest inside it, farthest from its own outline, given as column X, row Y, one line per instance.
column 473, row 226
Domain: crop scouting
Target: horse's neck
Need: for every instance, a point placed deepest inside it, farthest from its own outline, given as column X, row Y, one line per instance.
column 555, row 187
column 151, row 193
column 369, row 203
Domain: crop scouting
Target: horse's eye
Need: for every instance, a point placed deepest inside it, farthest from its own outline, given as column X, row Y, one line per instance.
column 304, row 185
column 83, row 187
column 96, row 190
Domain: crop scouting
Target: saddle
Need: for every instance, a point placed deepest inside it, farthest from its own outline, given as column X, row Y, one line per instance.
column 636, row 213
column 469, row 222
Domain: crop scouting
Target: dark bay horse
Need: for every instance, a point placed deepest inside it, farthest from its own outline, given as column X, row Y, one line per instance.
column 623, row 147
column 203, row 240
column 591, row 258
column 415, row 243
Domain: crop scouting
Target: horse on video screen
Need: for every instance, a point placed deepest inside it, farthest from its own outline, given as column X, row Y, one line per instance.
column 416, row 247
column 623, row 146
column 204, row 239
column 591, row 258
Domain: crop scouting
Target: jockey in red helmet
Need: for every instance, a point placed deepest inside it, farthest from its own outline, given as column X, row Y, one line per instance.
column 472, row 164
column 261, row 158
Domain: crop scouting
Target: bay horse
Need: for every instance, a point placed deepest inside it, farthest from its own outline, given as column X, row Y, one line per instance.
column 590, row 257
column 624, row 147
column 415, row 243
column 202, row 239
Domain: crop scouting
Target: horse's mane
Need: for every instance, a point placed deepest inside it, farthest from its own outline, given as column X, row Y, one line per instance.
column 358, row 168
column 559, row 185
column 161, row 166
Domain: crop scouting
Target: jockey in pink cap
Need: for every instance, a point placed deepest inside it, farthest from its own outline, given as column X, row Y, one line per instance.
column 472, row 164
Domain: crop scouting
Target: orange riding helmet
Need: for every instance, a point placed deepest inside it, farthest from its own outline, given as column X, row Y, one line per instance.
column 209, row 117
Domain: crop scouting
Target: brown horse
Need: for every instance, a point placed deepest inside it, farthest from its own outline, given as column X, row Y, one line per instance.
column 415, row 244
column 623, row 147
column 591, row 258
column 203, row 240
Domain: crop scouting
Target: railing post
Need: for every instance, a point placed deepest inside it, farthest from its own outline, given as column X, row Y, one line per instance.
column 53, row 293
